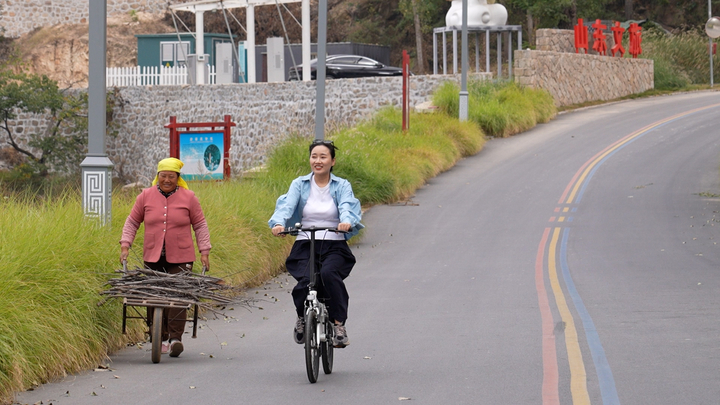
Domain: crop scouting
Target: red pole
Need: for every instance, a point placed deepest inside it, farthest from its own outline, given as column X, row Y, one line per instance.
column 174, row 139
column 226, row 142
column 406, row 92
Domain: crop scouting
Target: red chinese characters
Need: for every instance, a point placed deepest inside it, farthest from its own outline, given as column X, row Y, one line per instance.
column 581, row 36
column 617, row 37
column 635, row 32
column 599, row 44
column 599, row 38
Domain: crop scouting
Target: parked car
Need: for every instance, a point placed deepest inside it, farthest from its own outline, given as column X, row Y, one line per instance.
column 347, row 66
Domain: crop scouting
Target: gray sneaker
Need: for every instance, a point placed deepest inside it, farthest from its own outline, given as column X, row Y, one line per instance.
column 340, row 338
column 299, row 331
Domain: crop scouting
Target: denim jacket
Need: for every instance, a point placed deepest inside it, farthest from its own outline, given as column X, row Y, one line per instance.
column 289, row 207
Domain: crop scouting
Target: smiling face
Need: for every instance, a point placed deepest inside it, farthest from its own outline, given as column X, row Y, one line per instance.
column 168, row 181
column 321, row 160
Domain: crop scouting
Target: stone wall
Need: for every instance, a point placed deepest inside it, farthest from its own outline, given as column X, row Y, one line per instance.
column 21, row 16
column 265, row 114
column 555, row 40
column 577, row 78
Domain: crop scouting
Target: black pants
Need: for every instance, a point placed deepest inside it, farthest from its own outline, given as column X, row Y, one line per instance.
column 336, row 261
column 174, row 318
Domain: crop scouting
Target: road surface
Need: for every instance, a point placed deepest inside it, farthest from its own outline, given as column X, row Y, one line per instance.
column 576, row 263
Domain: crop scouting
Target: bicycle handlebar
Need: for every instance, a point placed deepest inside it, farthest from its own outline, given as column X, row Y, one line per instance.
column 294, row 230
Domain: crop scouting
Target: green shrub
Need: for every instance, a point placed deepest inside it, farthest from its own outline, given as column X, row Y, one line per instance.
column 680, row 59
column 499, row 108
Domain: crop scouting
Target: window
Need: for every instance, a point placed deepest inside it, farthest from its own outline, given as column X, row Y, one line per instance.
column 174, row 53
column 367, row 62
column 343, row 60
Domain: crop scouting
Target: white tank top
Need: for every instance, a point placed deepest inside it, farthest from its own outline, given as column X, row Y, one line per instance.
column 320, row 210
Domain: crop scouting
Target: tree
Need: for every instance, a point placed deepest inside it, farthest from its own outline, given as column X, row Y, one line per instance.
column 422, row 16
column 628, row 9
column 418, row 37
column 60, row 147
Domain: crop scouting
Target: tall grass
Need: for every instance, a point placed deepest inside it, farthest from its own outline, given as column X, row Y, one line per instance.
column 55, row 262
column 52, row 262
column 382, row 162
column 500, row 108
column 680, row 59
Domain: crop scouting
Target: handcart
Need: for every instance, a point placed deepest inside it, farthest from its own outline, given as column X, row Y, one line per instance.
column 156, row 306
column 154, row 327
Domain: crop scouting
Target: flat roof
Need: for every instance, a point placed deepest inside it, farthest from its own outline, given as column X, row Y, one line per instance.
column 182, row 34
column 207, row 5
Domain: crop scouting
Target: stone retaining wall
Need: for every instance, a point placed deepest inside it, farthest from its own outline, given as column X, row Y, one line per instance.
column 265, row 114
column 21, row 16
column 577, row 78
column 555, row 40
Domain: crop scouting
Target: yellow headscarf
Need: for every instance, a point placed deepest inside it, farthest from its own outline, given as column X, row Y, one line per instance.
column 171, row 165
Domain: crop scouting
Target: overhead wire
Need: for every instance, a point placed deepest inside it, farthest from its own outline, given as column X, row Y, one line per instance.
column 291, row 15
column 287, row 37
column 239, row 23
column 232, row 41
column 180, row 43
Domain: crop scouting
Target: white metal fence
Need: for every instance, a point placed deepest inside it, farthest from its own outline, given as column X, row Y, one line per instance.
column 150, row 76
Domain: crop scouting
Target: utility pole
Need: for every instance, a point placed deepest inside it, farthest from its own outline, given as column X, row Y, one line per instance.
column 97, row 168
column 710, row 46
column 320, row 71
column 464, row 62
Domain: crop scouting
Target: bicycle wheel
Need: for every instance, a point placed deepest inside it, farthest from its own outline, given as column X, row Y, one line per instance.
column 312, row 350
column 327, row 348
column 156, row 334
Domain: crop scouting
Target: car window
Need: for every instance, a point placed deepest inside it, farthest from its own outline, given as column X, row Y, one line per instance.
column 343, row 60
column 366, row 62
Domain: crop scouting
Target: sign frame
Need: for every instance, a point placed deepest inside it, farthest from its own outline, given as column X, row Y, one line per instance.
column 178, row 128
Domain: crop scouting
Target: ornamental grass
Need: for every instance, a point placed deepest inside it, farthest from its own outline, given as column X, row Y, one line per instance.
column 55, row 262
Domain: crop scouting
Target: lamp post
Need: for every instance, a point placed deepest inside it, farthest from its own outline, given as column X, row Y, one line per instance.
column 464, row 62
column 96, row 167
column 320, row 71
column 710, row 43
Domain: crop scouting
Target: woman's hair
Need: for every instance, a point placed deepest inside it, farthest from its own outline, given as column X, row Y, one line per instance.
column 328, row 144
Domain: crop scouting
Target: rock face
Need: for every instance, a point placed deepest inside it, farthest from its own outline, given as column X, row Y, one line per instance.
column 61, row 51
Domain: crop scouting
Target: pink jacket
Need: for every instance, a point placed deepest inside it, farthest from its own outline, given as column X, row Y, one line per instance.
column 167, row 221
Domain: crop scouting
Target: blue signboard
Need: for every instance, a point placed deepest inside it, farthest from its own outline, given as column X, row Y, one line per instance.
column 202, row 155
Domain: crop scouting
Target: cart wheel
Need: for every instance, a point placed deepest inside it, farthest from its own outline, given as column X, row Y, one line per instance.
column 156, row 334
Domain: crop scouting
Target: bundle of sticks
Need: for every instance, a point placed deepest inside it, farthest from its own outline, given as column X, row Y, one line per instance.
column 182, row 288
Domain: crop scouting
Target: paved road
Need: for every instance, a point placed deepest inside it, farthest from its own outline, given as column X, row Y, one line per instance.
column 574, row 264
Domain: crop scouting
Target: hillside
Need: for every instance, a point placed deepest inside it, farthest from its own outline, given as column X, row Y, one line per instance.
column 61, row 51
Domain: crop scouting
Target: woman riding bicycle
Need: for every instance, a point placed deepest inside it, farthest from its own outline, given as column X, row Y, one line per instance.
column 324, row 200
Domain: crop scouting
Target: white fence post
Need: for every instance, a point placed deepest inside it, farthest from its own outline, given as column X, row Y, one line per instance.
column 150, row 76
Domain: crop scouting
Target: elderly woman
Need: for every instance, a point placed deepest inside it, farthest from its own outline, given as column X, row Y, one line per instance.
column 324, row 200
column 168, row 209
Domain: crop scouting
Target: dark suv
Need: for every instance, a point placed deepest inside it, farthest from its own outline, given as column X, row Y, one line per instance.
column 347, row 66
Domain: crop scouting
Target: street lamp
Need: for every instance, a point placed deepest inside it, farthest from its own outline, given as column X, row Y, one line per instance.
column 712, row 28
column 97, row 168
column 463, row 116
